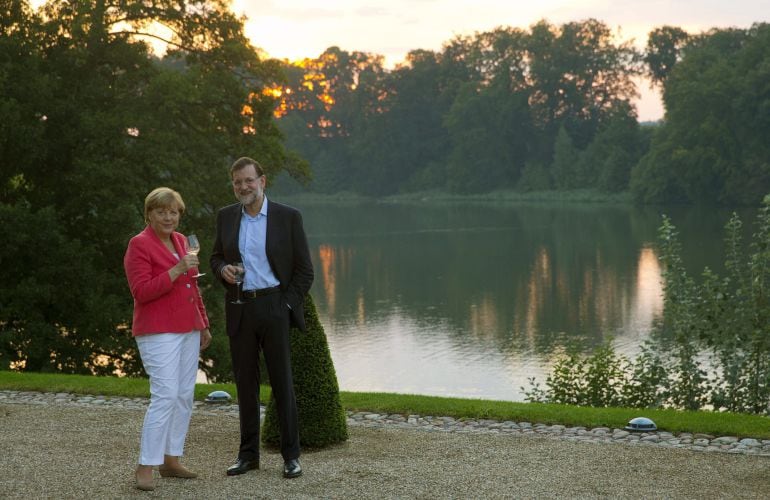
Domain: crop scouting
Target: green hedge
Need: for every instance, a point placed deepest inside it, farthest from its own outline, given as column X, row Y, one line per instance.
column 322, row 420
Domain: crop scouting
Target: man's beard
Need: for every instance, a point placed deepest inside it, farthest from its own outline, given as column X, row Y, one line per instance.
column 248, row 199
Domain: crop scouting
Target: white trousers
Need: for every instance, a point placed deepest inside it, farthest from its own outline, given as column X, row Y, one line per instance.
column 171, row 361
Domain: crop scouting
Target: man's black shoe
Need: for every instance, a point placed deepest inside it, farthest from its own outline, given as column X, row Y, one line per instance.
column 291, row 468
column 241, row 466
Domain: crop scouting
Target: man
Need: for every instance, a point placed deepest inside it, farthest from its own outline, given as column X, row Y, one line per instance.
column 268, row 238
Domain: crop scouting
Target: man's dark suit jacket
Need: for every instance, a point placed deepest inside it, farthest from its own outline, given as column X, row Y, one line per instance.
column 287, row 253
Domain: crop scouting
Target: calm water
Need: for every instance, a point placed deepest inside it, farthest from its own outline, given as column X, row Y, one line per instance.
column 471, row 300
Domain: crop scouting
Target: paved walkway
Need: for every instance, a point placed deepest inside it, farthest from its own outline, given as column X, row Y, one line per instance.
column 86, row 448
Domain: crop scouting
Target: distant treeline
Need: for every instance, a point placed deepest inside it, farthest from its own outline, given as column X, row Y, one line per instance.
column 545, row 108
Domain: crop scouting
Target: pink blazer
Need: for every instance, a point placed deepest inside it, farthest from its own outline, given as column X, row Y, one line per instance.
column 160, row 305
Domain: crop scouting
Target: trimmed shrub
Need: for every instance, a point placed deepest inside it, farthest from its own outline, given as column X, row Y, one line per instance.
column 322, row 420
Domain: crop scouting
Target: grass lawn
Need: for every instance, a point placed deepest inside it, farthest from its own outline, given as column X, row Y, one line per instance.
column 718, row 424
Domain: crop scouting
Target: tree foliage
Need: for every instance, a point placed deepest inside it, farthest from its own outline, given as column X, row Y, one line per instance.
column 475, row 116
column 664, row 47
column 713, row 146
column 92, row 120
column 548, row 107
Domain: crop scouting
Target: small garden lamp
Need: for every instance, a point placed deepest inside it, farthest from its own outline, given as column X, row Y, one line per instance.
column 641, row 424
column 218, row 397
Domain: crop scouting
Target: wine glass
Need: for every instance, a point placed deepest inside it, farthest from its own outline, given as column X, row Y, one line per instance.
column 240, row 272
column 193, row 247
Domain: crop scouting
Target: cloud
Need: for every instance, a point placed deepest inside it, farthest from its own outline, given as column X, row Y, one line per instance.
column 377, row 12
column 296, row 10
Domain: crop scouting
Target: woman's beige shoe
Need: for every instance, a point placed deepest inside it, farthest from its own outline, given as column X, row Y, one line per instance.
column 176, row 471
column 144, row 484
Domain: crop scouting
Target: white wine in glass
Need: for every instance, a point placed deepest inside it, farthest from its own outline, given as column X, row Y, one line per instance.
column 193, row 247
column 240, row 272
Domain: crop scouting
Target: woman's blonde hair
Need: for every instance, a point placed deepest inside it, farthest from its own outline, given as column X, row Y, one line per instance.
column 162, row 197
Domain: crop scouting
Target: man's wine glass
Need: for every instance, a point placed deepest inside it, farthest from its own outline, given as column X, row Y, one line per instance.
column 240, row 272
column 193, row 247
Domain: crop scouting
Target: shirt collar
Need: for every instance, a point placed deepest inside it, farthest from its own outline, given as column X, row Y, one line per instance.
column 262, row 211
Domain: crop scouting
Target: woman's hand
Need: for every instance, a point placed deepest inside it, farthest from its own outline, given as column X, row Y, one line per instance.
column 205, row 338
column 186, row 263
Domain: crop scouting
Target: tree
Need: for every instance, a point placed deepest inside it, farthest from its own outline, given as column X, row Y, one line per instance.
column 47, row 324
column 406, row 135
column 24, row 88
column 608, row 160
column 577, row 76
column 322, row 420
column 566, row 166
column 663, row 51
column 467, row 118
column 324, row 105
column 653, row 180
column 490, row 131
column 713, row 146
column 106, row 121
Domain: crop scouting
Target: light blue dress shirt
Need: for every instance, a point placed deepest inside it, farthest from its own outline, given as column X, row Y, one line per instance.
column 251, row 243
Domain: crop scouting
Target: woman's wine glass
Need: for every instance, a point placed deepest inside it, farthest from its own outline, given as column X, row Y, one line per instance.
column 193, row 247
column 240, row 272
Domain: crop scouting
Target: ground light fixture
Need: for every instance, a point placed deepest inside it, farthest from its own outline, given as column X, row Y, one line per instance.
column 641, row 424
column 218, row 397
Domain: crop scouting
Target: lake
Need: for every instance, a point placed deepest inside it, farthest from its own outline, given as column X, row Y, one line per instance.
column 472, row 299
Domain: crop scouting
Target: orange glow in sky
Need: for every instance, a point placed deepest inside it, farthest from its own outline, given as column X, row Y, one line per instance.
column 295, row 29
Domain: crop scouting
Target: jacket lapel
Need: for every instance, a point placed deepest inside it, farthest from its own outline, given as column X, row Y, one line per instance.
column 235, row 229
column 161, row 250
column 162, row 253
column 180, row 244
column 270, row 236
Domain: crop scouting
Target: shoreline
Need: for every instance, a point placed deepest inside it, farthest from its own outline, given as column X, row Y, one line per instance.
column 507, row 196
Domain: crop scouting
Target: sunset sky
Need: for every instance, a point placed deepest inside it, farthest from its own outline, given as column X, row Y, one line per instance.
column 295, row 29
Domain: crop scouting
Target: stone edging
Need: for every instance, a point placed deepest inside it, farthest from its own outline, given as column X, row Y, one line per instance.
column 694, row 442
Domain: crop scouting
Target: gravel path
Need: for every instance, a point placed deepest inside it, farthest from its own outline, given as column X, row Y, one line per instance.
column 52, row 451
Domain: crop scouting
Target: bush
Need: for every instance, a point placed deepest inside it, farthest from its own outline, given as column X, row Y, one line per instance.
column 322, row 420
column 727, row 319
column 602, row 379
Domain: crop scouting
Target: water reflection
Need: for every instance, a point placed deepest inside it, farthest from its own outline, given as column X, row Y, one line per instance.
column 470, row 300
column 647, row 304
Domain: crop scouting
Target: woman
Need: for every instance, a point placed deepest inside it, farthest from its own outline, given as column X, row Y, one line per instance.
column 171, row 327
